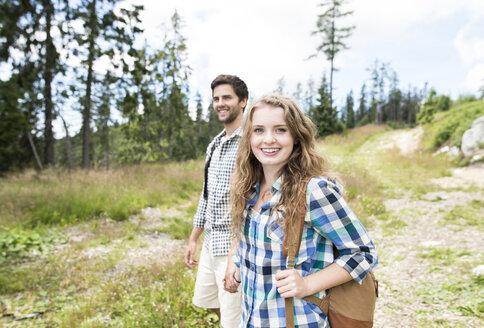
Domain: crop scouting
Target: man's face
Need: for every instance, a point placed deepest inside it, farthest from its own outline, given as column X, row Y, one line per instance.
column 226, row 103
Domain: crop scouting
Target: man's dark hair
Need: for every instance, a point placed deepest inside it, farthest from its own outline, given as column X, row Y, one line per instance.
column 239, row 86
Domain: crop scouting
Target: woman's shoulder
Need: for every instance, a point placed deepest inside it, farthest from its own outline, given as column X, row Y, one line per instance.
column 319, row 182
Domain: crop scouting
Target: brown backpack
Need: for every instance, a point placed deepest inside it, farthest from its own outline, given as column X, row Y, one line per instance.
column 349, row 305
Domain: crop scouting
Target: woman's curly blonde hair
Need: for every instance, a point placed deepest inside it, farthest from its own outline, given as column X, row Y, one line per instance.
column 303, row 163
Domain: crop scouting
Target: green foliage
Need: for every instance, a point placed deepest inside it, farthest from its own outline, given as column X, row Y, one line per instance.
column 332, row 34
column 392, row 227
column 361, row 114
column 17, row 243
column 433, row 105
column 349, row 112
column 323, row 115
column 454, row 288
column 178, row 228
column 163, row 128
column 14, row 146
column 95, row 293
column 443, row 103
column 449, row 126
column 445, row 256
column 470, row 214
column 62, row 199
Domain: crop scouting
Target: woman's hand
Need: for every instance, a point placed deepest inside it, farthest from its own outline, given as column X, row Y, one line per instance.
column 289, row 283
column 231, row 280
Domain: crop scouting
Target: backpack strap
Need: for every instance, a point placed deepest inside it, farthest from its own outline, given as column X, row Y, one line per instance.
column 290, row 248
column 349, row 296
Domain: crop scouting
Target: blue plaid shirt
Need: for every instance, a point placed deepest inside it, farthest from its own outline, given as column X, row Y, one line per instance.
column 328, row 221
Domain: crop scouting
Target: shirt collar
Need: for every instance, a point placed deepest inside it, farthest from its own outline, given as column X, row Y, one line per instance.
column 236, row 133
column 275, row 194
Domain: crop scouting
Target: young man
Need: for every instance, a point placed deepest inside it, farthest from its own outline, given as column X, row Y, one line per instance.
column 230, row 96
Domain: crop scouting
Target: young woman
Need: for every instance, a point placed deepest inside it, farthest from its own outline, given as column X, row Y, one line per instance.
column 277, row 167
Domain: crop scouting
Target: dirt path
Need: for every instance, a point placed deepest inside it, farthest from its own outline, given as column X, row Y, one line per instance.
column 411, row 273
column 155, row 248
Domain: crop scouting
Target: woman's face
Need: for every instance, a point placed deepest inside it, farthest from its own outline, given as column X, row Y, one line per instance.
column 271, row 141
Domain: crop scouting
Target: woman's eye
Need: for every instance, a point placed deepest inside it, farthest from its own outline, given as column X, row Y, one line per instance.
column 281, row 130
column 258, row 130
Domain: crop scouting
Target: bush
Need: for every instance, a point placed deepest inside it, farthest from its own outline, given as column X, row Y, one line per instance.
column 449, row 126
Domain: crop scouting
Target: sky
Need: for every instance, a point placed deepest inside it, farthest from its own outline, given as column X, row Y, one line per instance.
column 439, row 42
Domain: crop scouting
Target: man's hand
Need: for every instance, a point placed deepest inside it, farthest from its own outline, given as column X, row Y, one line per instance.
column 190, row 260
column 289, row 283
column 231, row 280
column 192, row 247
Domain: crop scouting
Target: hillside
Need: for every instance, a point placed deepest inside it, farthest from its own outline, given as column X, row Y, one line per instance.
column 113, row 268
column 426, row 234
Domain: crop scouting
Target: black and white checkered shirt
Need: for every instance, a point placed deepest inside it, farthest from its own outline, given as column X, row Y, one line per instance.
column 213, row 213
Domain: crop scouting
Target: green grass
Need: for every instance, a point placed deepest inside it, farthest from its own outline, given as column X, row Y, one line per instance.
column 54, row 198
column 75, row 289
column 91, row 293
column 392, row 227
column 471, row 214
column 178, row 228
column 451, row 285
column 107, row 291
column 451, row 125
column 463, row 294
column 17, row 244
column 442, row 256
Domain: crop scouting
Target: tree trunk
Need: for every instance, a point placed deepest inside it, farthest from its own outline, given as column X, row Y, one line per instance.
column 332, row 58
column 68, row 145
column 108, row 149
column 86, row 115
column 50, row 58
column 37, row 158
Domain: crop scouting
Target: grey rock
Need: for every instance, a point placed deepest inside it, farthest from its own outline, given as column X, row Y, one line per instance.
column 473, row 139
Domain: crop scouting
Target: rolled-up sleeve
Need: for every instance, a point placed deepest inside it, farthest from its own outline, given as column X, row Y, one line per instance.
column 332, row 218
column 200, row 217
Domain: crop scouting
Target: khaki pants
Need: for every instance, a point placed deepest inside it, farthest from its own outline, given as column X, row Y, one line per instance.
column 209, row 290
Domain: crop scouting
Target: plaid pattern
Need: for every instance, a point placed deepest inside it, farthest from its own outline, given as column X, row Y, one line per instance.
column 328, row 221
column 213, row 213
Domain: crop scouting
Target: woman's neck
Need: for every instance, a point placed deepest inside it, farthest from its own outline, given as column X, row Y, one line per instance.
column 270, row 177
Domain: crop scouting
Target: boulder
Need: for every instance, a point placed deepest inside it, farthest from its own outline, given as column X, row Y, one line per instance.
column 449, row 151
column 473, row 139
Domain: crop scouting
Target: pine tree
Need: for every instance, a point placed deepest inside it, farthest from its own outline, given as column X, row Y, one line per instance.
column 214, row 125
column 281, row 86
column 180, row 133
column 156, row 106
column 394, row 101
column 332, row 36
column 349, row 111
column 323, row 115
column 297, row 95
column 362, row 115
column 102, row 26
column 309, row 95
column 29, row 28
column 199, row 113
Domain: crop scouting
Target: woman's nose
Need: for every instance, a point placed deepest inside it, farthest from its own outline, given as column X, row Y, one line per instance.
column 269, row 137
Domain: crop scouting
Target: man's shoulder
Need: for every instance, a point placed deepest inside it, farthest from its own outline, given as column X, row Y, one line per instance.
column 214, row 140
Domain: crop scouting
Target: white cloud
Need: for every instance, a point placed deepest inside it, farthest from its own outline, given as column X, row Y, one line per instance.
column 261, row 41
column 475, row 78
column 469, row 44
